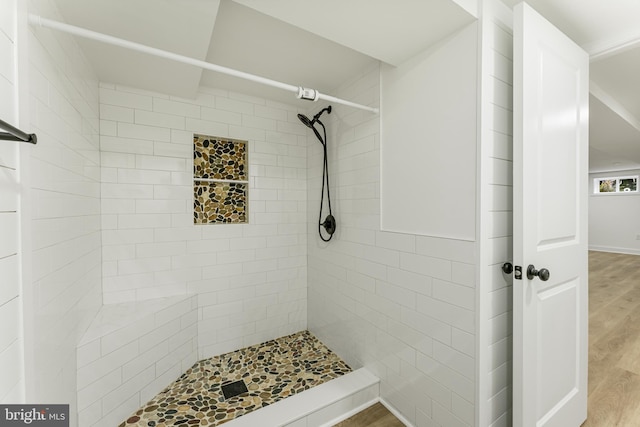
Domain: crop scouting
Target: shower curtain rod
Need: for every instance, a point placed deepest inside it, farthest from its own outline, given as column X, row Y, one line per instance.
column 301, row 92
column 16, row 134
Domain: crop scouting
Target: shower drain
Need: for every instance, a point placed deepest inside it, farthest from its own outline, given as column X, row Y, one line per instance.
column 234, row 389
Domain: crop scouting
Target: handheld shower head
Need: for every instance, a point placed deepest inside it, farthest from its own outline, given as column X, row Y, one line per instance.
column 305, row 120
column 310, row 122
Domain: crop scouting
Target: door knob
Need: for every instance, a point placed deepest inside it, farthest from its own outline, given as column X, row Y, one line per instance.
column 543, row 273
column 507, row 268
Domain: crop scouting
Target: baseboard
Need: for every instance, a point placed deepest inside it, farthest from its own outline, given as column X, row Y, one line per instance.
column 364, row 406
column 397, row 414
column 626, row 251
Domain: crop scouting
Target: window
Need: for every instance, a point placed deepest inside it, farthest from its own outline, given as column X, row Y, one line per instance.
column 621, row 184
column 220, row 180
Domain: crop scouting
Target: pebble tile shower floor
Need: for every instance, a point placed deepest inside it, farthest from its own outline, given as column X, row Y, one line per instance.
column 271, row 372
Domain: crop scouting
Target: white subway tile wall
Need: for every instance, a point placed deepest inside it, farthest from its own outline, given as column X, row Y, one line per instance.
column 501, row 292
column 496, row 213
column 64, row 195
column 250, row 278
column 122, row 367
column 402, row 305
column 11, row 339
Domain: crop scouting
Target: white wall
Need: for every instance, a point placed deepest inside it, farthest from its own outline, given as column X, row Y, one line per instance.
column 61, row 192
column 614, row 219
column 400, row 304
column 11, row 334
column 250, row 278
column 496, row 216
column 428, row 144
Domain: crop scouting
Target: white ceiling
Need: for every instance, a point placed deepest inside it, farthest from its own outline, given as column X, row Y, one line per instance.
column 596, row 25
column 321, row 44
column 614, row 143
column 610, row 32
column 261, row 42
column 247, row 40
column 619, row 77
column 182, row 27
column 389, row 31
column 228, row 33
column 615, row 111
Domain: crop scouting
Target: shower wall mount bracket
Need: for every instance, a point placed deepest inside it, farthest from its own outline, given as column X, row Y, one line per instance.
column 308, row 94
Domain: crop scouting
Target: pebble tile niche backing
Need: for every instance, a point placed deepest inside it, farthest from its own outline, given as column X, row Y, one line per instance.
column 271, row 371
column 223, row 200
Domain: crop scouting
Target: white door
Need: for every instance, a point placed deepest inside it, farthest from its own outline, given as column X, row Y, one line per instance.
column 551, row 90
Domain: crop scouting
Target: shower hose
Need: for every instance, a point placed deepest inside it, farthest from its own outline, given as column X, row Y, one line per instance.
column 329, row 223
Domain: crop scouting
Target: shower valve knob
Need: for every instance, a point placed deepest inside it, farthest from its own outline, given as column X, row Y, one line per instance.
column 329, row 224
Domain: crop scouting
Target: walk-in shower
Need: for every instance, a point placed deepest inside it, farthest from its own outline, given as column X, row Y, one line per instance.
column 329, row 223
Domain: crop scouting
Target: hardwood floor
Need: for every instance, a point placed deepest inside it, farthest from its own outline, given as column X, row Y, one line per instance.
column 614, row 340
column 374, row 416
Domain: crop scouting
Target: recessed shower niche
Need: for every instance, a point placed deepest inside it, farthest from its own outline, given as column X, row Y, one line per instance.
column 220, row 180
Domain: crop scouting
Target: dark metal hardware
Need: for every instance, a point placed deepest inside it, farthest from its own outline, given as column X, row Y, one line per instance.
column 507, row 268
column 16, row 134
column 518, row 273
column 329, row 224
column 543, row 273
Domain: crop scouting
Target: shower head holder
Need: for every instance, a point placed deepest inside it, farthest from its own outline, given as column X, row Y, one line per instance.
column 310, row 122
